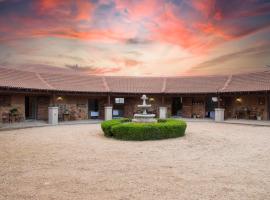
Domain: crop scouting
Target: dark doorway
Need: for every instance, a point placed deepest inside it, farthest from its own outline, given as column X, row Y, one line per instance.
column 177, row 106
column 210, row 105
column 268, row 107
column 30, row 107
column 93, row 108
column 118, row 107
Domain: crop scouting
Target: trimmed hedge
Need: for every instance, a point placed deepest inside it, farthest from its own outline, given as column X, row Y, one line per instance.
column 169, row 128
column 107, row 125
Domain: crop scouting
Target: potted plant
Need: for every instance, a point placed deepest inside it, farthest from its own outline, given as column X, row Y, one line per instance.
column 259, row 115
column 13, row 111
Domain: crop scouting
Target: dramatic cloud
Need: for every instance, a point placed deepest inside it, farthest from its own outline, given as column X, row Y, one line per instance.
column 135, row 37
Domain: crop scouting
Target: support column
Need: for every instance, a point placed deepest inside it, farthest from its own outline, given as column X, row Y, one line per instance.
column 108, row 109
column 219, row 114
column 53, row 115
column 108, row 113
column 163, row 112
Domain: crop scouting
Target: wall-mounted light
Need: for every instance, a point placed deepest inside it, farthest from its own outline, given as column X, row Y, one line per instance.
column 59, row 99
column 214, row 99
column 151, row 99
column 239, row 100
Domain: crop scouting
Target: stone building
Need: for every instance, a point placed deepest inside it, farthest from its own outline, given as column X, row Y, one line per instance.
column 29, row 94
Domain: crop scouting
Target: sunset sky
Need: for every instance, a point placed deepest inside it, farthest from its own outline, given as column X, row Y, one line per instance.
column 140, row 37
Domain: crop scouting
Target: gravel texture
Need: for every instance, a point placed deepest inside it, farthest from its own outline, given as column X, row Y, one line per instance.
column 213, row 161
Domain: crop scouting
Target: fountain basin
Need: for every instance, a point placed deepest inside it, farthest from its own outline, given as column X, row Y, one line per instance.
column 144, row 115
column 144, row 106
column 144, row 118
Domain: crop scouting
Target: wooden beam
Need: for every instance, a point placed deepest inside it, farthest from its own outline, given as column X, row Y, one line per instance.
column 218, row 101
column 109, row 100
column 162, row 100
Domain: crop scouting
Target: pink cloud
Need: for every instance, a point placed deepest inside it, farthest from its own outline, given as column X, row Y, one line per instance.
column 204, row 6
column 139, row 9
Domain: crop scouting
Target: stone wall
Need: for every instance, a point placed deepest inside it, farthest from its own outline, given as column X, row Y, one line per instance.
column 16, row 101
column 193, row 107
column 76, row 107
column 198, row 107
column 42, row 107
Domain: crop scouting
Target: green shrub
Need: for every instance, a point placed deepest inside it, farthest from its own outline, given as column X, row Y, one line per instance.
column 107, row 125
column 169, row 128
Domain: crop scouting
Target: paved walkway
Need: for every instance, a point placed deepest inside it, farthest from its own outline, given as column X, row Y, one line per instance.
column 40, row 123
column 232, row 121
column 248, row 122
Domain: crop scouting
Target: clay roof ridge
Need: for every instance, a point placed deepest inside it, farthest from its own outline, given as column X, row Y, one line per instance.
column 164, row 84
column 105, row 83
column 43, row 81
column 226, row 84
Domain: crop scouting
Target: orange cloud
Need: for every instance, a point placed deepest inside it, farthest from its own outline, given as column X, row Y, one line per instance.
column 84, row 10
column 70, row 33
column 127, row 62
column 170, row 28
column 48, row 4
column 104, row 70
column 210, row 29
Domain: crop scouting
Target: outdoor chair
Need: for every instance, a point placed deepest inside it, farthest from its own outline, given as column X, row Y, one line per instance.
column 5, row 117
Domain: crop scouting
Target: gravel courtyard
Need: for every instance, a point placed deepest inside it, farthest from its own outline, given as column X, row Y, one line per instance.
column 213, row 161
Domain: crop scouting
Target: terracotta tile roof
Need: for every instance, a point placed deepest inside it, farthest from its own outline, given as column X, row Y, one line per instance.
column 76, row 83
column 206, row 84
column 13, row 78
column 135, row 84
column 257, row 81
column 21, row 79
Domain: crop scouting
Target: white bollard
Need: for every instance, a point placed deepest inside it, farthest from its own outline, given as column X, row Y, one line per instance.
column 163, row 112
column 108, row 113
column 53, row 115
column 219, row 114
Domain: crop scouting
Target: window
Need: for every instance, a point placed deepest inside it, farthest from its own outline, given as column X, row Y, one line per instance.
column 5, row 100
column 119, row 100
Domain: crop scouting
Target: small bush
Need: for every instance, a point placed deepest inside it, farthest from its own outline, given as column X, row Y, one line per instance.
column 169, row 128
column 107, row 125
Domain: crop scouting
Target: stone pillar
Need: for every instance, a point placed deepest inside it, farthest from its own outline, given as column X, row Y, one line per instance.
column 219, row 114
column 108, row 113
column 53, row 115
column 163, row 112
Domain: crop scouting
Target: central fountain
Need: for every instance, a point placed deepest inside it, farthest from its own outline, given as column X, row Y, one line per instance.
column 144, row 117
